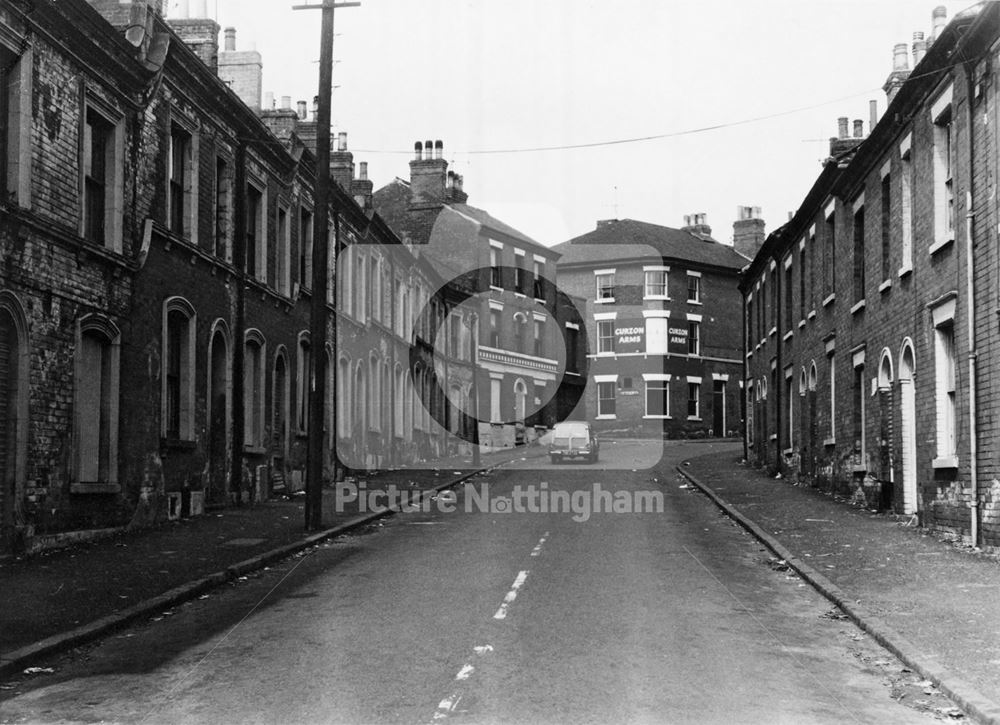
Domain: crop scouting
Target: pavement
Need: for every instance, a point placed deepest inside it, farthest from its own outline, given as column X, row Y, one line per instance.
column 933, row 603
column 60, row 599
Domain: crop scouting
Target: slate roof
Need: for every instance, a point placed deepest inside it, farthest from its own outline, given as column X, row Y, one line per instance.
column 392, row 202
column 631, row 239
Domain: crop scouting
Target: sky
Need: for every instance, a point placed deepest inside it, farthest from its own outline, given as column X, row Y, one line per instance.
column 734, row 100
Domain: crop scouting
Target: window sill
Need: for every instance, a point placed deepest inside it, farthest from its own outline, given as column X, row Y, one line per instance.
column 694, row 417
column 903, row 271
column 802, row 323
column 95, row 488
column 520, row 295
column 788, row 336
column 830, row 300
column 694, row 302
column 773, row 332
column 664, row 298
column 255, row 450
column 657, row 417
column 811, row 315
column 944, row 462
column 939, row 245
column 788, row 451
column 885, row 287
column 604, row 301
column 859, row 468
column 857, row 307
column 495, row 288
column 606, row 417
column 830, row 441
column 773, row 437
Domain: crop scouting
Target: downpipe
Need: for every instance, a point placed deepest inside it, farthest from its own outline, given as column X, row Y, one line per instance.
column 973, row 355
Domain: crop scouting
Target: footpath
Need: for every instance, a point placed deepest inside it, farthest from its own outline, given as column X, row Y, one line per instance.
column 934, row 604
column 56, row 600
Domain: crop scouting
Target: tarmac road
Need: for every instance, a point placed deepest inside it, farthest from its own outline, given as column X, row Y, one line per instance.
column 482, row 614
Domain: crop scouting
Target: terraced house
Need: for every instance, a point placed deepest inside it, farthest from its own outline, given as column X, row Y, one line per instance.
column 870, row 327
column 156, row 224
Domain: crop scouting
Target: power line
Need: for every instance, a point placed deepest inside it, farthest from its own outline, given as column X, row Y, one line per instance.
column 660, row 136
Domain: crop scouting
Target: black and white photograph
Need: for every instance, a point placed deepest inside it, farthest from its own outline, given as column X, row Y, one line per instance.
column 533, row 362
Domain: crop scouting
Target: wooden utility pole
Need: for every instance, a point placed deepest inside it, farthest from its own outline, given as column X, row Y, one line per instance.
column 321, row 267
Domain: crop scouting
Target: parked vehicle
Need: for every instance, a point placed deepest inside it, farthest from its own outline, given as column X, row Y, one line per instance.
column 573, row 439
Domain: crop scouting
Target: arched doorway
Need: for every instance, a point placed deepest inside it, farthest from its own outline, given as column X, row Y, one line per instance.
column 908, row 427
column 886, row 432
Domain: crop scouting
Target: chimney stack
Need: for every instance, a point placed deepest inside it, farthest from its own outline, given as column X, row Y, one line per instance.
column 243, row 71
column 428, row 176
column 842, row 142
column 282, row 121
column 362, row 188
column 198, row 31
column 697, row 224
column 900, row 71
column 748, row 231
column 342, row 163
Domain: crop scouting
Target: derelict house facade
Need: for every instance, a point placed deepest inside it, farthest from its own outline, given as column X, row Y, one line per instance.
column 664, row 344
column 870, row 335
column 154, row 298
column 515, row 317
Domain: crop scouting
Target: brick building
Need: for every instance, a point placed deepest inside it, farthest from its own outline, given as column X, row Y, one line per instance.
column 869, row 329
column 156, row 231
column 521, row 354
column 664, row 339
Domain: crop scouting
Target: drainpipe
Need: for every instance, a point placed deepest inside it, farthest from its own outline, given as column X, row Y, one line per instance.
column 744, row 403
column 970, row 315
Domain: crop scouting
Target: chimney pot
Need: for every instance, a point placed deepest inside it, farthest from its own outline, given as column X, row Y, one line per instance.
column 438, row 148
column 418, row 151
column 342, row 141
column 302, row 110
column 230, row 39
column 939, row 18
column 899, row 59
column 842, row 127
column 286, row 103
column 363, row 171
column 919, row 50
column 268, row 100
column 428, row 149
column 872, row 115
column 859, row 128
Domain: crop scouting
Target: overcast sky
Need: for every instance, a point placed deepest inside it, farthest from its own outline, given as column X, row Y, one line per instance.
column 496, row 78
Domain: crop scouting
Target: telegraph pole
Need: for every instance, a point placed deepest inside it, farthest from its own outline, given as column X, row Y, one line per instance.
column 321, row 266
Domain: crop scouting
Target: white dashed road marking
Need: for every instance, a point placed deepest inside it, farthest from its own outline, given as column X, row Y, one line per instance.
column 511, row 595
